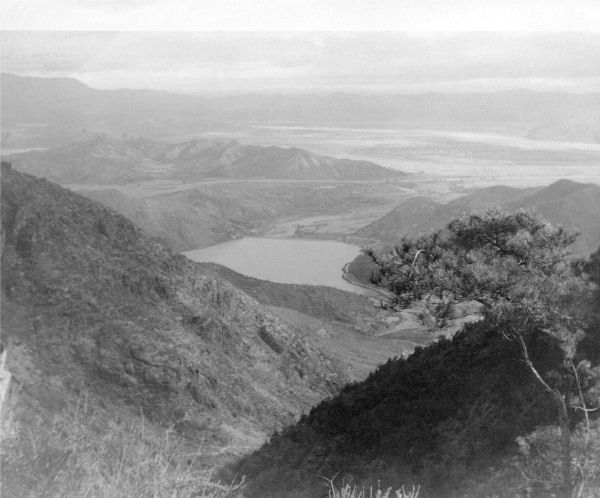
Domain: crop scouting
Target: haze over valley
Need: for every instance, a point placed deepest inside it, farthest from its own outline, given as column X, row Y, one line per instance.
column 242, row 269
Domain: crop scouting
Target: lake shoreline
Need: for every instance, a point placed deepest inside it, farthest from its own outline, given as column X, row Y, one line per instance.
column 286, row 260
column 351, row 279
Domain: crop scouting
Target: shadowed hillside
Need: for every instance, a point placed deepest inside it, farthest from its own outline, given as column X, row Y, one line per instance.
column 463, row 417
column 91, row 305
column 445, row 413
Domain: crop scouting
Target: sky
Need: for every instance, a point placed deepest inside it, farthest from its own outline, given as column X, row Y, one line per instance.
column 238, row 46
column 304, row 15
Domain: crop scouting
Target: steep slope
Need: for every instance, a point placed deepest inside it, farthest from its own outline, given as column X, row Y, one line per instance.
column 571, row 204
column 178, row 225
column 90, row 304
column 414, row 215
column 421, row 214
column 106, row 160
column 440, row 418
column 345, row 325
column 462, row 418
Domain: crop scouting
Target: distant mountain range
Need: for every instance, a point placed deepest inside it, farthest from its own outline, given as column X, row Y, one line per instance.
column 67, row 108
column 106, row 160
column 575, row 206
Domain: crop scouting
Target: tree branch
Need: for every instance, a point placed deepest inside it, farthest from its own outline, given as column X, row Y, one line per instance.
column 532, row 368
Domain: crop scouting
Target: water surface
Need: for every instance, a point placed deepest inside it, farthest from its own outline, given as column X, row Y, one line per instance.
column 288, row 261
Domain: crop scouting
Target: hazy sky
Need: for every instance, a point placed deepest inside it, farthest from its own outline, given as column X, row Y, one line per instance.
column 312, row 15
column 305, row 61
column 308, row 45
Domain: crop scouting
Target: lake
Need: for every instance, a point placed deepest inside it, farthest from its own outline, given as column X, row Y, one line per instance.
column 288, row 261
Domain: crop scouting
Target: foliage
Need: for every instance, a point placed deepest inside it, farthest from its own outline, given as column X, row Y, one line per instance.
column 520, row 268
column 539, row 459
column 81, row 454
column 432, row 418
column 509, row 262
column 363, row 269
column 449, row 415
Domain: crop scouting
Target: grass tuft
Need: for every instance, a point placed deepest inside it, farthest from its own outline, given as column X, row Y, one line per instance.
column 348, row 491
column 84, row 455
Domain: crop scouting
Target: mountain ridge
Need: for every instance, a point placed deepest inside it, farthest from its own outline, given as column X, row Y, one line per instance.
column 106, row 160
column 90, row 304
column 159, row 114
column 572, row 204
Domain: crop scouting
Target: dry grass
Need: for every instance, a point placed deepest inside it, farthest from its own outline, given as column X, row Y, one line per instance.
column 348, row 491
column 82, row 455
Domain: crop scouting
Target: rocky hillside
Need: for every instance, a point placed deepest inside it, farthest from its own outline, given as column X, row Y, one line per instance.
column 106, row 160
column 349, row 327
column 91, row 306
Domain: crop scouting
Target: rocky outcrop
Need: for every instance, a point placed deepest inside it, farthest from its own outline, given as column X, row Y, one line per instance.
column 5, row 377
